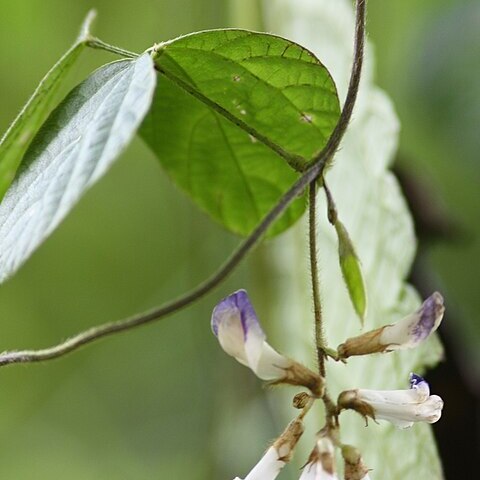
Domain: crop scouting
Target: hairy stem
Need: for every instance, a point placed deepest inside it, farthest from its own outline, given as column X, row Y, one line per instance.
column 320, row 340
column 314, row 171
column 317, row 305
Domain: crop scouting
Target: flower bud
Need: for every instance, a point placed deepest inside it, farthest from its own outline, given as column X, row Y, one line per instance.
column 409, row 332
column 400, row 407
column 238, row 330
column 351, row 271
column 278, row 455
column 355, row 469
column 301, row 400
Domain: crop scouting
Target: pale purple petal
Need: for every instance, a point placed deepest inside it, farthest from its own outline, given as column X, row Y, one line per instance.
column 239, row 304
column 416, row 380
column 430, row 315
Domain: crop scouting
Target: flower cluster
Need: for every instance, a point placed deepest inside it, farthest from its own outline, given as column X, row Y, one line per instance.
column 235, row 324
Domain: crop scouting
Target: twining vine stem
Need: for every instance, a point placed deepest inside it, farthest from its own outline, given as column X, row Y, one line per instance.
column 313, row 171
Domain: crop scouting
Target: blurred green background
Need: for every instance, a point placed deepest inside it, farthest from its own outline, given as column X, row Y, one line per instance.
column 151, row 404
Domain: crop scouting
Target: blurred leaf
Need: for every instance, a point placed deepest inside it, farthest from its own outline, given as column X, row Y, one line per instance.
column 18, row 137
column 274, row 94
column 74, row 148
column 376, row 216
column 351, row 271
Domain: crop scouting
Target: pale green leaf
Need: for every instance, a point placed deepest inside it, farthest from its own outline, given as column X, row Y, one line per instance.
column 74, row 148
column 18, row 137
column 249, row 95
column 370, row 203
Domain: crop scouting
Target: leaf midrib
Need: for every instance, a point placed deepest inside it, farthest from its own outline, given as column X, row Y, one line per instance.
column 255, row 76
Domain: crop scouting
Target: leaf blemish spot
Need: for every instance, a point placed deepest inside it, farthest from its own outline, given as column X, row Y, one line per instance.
column 304, row 117
column 236, row 78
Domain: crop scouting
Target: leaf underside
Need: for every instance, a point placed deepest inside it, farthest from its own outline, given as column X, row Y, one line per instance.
column 18, row 137
column 271, row 88
column 73, row 149
column 21, row 132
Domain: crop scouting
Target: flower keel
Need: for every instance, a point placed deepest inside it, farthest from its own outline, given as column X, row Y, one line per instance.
column 401, row 407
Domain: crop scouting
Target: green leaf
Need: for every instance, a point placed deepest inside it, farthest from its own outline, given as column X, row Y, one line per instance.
column 351, row 271
column 74, row 148
column 219, row 165
column 18, row 137
column 229, row 104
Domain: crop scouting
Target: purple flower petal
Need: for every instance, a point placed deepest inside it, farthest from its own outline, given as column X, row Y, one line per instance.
column 238, row 303
column 430, row 313
column 415, row 380
column 419, row 384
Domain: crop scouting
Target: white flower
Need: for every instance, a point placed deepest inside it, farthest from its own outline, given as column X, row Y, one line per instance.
column 238, row 330
column 409, row 332
column 268, row 467
column 400, row 407
column 321, row 464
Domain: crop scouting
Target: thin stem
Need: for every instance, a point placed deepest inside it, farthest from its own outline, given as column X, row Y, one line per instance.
column 320, row 342
column 94, row 42
column 310, row 175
